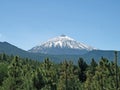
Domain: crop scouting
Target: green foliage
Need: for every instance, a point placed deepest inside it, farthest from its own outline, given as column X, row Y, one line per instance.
column 3, row 72
column 49, row 74
column 67, row 75
column 82, row 66
column 24, row 74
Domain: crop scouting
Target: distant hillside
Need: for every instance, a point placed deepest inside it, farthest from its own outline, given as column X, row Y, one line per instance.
column 9, row 49
column 5, row 47
column 97, row 54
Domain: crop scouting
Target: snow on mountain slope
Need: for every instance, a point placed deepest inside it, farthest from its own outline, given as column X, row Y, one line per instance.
column 64, row 43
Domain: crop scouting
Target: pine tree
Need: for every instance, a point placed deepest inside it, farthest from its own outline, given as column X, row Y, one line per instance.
column 49, row 75
column 3, row 72
column 38, row 80
column 93, row 66
column 67, row 75
column 14, row 80
column 82, row 66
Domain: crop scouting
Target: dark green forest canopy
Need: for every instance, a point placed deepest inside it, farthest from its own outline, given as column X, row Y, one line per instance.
column 25, row 74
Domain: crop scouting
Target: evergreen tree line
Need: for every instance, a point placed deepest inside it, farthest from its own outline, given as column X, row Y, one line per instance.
column 24, row 74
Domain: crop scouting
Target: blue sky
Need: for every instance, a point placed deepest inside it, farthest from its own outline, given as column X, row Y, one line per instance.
column 26, row 23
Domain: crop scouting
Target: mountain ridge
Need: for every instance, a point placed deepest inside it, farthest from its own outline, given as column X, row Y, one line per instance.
column 62, row 45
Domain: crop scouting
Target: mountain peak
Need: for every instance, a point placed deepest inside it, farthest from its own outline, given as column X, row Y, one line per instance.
column 61, row 45
column 62, row 35
column 61, row 38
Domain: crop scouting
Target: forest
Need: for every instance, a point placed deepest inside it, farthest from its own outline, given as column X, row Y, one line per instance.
column 18, row 73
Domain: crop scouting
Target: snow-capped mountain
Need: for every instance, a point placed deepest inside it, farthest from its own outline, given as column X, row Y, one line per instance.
column 62, row 45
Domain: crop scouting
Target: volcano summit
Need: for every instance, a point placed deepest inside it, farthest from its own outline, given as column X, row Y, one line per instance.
column 62, row 45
